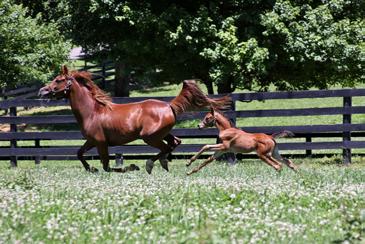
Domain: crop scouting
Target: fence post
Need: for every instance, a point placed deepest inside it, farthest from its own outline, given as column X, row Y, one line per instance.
column 308, row 152
column 346, row 136
column 13, row 144
column 118, row 159
column 37, row 158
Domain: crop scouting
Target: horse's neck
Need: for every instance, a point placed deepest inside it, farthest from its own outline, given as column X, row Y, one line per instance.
column 81, row 102
column 222, row 123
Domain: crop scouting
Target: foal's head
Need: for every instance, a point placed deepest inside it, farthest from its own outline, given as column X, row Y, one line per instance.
column 208, row 121
column 59, row 86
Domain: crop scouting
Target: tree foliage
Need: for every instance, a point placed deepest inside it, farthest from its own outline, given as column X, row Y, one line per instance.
column 294, row 44
column 29, row 50
column 319, row 44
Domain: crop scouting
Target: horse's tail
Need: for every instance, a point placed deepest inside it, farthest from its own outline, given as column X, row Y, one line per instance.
column 283, row 134
column 191, row 97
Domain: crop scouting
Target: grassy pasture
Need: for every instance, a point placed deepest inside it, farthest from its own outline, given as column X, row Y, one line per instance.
column 58, row 202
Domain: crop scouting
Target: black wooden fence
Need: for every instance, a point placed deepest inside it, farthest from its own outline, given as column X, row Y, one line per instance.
column 345, row 130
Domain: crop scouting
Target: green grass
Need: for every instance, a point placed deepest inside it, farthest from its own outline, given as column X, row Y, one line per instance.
column 58, row 202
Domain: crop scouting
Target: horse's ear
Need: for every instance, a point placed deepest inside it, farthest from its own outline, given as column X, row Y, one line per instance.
column 64, row 70
column 212, row 110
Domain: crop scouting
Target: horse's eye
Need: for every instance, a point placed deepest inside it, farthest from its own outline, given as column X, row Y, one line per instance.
column 59, row 80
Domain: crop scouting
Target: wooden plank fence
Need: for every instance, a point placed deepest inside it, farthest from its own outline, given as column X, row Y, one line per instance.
column 346, row 130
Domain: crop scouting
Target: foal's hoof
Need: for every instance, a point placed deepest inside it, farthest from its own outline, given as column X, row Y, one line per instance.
column 149, row 166
column 133, row 167
column 188, row 163
column 164, row 164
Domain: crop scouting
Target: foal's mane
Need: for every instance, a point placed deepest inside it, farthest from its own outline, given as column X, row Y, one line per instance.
column 84, row 78
column 219, row 112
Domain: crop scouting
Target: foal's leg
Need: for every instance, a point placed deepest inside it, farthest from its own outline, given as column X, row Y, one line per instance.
column 273, row 164
column 206, row 162
column 165, row 150
column 80, row 155
column 215, row 147
column 280, row 158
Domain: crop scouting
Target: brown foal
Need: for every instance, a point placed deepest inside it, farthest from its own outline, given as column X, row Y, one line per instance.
column 104, row 123
column 238, row 141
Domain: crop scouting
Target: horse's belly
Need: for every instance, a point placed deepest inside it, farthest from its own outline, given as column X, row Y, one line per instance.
column 116, row 139
column 243, row 146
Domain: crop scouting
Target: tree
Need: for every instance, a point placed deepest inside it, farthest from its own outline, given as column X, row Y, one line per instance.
column 320, row 44
column 294, row 44
column 29, row 50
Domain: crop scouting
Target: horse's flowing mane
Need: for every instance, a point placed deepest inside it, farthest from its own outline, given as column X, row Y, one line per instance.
column 84, row 78
column 191, row 97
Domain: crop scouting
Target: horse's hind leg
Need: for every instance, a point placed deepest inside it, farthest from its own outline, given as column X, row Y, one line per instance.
column 280, row 158
column 80, row 155
column 173, row 142
column 165, row 150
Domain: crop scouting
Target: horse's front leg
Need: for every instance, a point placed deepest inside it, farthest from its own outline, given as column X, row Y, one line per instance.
column 104, row 156
column 215, row 147
column 206, row 162
column 80, row 155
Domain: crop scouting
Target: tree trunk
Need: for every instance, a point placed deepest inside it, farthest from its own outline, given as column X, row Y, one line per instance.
column 121, row 88
column 226, row 86
column 209, row 84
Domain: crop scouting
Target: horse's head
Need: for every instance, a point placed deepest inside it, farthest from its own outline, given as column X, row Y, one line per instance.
column 208, row 121
column 59, row 87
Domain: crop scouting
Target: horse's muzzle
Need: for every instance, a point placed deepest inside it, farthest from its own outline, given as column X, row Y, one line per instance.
column 44, row 92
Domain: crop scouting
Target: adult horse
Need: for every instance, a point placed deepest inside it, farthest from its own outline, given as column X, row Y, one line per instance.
column 104, row 123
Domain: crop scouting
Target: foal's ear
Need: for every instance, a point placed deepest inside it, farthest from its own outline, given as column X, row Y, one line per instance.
column 64, row 70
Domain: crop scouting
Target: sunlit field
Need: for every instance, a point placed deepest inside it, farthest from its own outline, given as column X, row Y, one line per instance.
column 245, row 203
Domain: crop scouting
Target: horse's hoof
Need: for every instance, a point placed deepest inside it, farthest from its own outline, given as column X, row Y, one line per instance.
column 164, row 164
column 188, row 163
column 93, row 170
column 134, row 167
column 149, row 166
column 189, row 173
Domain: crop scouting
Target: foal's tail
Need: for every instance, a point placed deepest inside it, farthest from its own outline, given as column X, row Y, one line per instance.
column 283, row 134
column 191, row 97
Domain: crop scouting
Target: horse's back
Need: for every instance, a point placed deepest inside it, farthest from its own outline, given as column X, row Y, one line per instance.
column 149, row 117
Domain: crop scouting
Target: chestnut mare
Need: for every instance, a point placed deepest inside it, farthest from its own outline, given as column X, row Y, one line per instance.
column 104, row 123
column 238, row 141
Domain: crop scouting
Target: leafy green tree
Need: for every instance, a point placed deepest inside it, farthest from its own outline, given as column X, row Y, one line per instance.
column 314, row 44
column 294, row 44
column 30, row 50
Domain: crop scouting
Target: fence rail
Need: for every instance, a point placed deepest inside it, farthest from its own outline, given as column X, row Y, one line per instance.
column 346, row 130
